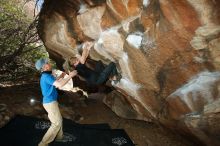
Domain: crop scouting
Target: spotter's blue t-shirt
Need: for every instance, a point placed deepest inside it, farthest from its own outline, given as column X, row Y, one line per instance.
column 49, row 91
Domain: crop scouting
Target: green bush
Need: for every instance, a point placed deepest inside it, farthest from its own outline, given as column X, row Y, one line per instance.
column 20, row 45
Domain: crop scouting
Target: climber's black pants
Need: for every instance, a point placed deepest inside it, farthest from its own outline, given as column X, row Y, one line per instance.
column 104, row 72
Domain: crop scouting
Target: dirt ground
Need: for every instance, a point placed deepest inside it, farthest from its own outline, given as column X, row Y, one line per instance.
column 92, row 110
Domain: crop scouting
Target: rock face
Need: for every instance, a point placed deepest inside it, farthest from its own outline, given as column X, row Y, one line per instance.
column 28, row 7
column 166, row 50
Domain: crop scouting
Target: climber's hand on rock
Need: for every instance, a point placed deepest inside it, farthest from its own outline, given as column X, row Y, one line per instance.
column 88, row 45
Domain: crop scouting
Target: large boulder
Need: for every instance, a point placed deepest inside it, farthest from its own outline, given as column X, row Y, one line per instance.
column 166, row 51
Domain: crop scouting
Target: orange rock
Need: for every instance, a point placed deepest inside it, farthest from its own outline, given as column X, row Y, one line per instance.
column 158, row 46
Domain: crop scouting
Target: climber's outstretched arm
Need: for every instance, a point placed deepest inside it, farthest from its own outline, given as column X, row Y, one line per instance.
column 86, row 48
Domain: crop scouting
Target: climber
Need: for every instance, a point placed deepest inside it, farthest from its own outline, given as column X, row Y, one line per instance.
column 97, row 76
column 48, row 85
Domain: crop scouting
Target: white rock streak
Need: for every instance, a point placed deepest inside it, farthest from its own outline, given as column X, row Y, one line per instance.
column 102, row 51
column 112, row 42
column 198, row 87
column 134, row 40
column 83, row 8
column 107, row 45
column 130, row 87
column 146, row 3
column 124, row 63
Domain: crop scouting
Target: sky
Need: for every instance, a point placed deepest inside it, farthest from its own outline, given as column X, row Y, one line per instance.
column 39, row 4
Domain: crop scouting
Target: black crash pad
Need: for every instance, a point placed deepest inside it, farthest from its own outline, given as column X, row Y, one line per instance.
column 28, row 131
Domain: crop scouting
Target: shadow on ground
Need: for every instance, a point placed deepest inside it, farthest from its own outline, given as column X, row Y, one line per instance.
column 25, row 100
